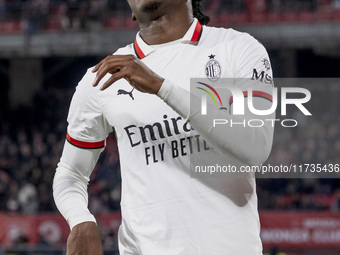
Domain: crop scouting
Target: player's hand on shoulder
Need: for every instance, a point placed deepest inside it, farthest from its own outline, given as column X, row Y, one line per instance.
column 131, row 69
column 84, row 239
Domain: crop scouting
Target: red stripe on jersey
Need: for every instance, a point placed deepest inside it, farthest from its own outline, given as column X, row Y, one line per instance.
column 138, row 50
column 85, row 145
column 255, row 94
column 197, row 33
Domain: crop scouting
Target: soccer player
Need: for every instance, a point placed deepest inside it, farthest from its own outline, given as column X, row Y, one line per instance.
column 142, row 93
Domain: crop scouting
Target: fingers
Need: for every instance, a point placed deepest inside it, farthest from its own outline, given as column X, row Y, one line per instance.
column 129, row 68
column 115, row 77
column 95, row 69
column 112, row 64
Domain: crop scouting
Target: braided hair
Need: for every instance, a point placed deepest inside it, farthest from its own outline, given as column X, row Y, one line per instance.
column 198, row 14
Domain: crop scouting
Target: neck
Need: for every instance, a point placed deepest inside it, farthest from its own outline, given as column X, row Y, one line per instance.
column 166, row 28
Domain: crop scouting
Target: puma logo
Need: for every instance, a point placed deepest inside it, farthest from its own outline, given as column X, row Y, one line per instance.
column 123, row 92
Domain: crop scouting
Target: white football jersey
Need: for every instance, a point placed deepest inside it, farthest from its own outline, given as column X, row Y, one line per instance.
column 164, row 210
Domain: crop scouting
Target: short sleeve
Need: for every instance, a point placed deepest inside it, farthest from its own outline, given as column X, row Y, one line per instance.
column 87, row 127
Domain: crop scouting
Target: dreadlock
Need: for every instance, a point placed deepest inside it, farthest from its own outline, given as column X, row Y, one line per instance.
column 197, row 10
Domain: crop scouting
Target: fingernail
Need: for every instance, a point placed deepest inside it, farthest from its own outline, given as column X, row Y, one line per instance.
column 94, row 83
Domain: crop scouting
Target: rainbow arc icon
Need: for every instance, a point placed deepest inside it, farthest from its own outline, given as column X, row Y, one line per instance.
column 209, row 93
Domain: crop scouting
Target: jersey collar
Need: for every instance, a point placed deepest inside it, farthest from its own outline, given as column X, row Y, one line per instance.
column 192, row 35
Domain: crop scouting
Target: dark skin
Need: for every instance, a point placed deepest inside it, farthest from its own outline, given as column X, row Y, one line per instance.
column 160, row 21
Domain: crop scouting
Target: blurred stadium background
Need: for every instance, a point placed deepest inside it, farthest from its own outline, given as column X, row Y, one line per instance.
column 47, row 45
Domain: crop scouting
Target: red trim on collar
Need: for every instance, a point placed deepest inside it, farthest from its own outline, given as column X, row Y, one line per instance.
column 138, row 51
column 197, row 33
column 195, row 38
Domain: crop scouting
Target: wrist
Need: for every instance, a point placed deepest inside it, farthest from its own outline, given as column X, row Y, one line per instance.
column 85, row 218
column 164, row 89
column 158, row 85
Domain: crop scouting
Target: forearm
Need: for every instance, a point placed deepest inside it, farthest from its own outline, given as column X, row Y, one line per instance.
column 247, row 144
column 70, row 195
column 70, row 184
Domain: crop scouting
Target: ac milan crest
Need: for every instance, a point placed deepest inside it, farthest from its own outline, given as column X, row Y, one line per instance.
column 213, row 69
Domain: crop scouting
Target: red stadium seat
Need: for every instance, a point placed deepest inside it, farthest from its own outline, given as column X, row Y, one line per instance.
column 257, row 18
column 241, row 18
column 323, row 16
column 323, row 201
column 224, row 18
column 273, row 17
column 306, row 17
column 53, row 24
column 336, row 15
column 114, row 23
column 288, row 17
column 11, row 27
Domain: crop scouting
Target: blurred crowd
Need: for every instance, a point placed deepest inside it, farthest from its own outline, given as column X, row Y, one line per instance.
column 30, row 145
column 32, row 138
column 316, row 140
column 31, row 16
column 31, row 141
column 35, row 15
